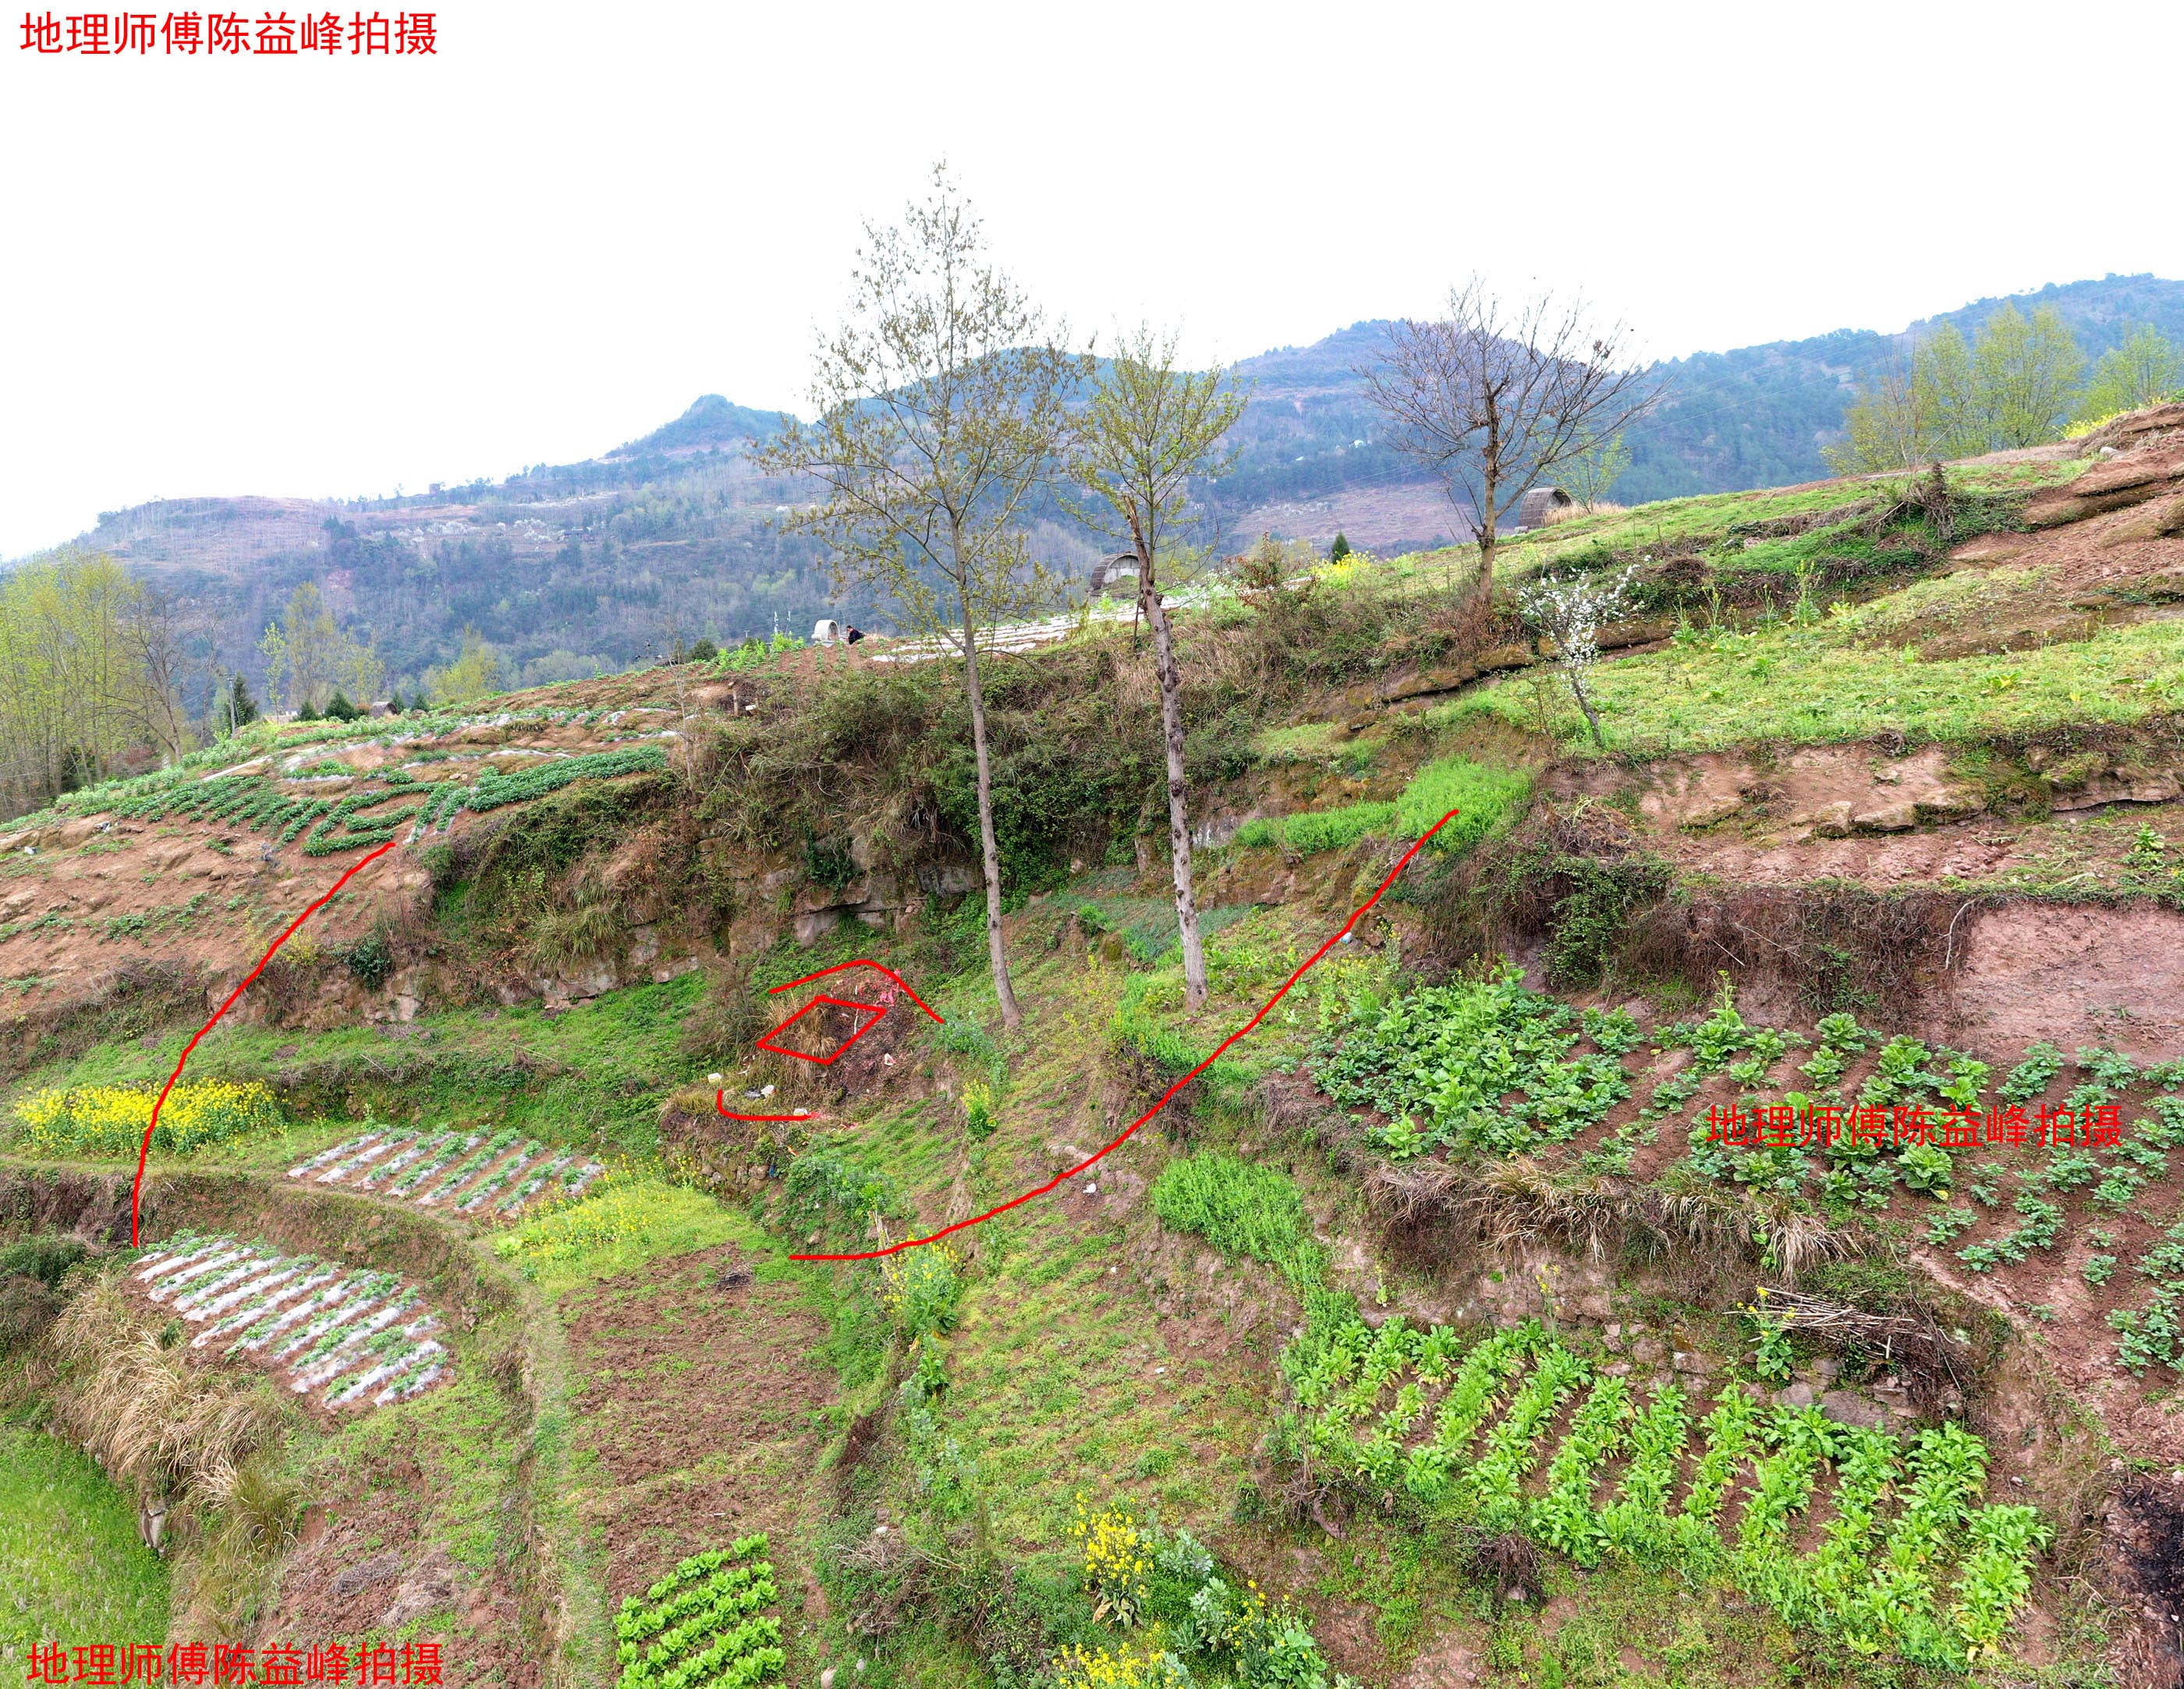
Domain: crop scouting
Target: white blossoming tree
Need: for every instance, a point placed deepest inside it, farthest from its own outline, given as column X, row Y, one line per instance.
column 1571, row 613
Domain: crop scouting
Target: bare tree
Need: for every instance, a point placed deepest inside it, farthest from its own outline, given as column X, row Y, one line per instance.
column 1148, row 432
column 1491, row 398
column 940, row 406
column 150, row 699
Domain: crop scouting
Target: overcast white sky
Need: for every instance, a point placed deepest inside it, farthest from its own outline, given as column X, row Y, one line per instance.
column 317, row 278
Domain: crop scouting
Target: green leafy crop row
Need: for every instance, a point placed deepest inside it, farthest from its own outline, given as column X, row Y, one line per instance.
column 695, row 1628
column 1942, row 1590
column 1439, row 1060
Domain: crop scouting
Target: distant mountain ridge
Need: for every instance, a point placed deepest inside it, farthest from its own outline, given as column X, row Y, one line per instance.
column 711, row 423
column 668, row 537
column 1758, row 416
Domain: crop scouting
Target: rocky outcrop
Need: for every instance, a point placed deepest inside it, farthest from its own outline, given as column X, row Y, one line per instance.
column 2135, row 478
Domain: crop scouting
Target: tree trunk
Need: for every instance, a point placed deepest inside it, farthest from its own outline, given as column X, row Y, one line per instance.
column 989, row 849
column 1490, row 492
column 1178, row 816
column 1584, row 704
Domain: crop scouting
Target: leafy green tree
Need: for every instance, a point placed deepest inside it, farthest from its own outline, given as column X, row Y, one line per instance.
column 1590, row 474
column 242, row 708
column 1946, row 398
column 339, row 709
column 89, row 669
column 2026, row 371
column 2012, row 387
column 2147, row 369
column 1340, row 549
column 1887, row 428
column 312, row 657
column 307, row 713
column 1149, row 431
column 940, row 408
column 476, row 672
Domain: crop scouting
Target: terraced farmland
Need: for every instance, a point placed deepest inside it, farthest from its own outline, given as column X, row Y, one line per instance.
column 357, row 1336
column 475, row 1175
column 1909, row 1562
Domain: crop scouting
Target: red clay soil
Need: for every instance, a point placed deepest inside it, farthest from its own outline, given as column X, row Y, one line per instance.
column 2074, row 976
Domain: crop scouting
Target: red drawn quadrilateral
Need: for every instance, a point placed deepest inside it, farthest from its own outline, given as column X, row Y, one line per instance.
column 871, row 1011
column 1123, row 1136
column 876, row 1010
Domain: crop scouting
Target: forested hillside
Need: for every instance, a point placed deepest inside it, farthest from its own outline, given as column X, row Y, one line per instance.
column 1760, row 415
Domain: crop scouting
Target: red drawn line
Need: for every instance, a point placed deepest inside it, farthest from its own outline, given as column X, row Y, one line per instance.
column 839, row 966
column 137, row 1194
column 1063, row 1178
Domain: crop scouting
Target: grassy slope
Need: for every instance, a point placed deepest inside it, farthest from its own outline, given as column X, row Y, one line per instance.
column 72, row 1565
column 1066, row 1377
column 1842, row 677
column 1842, row 673
column 593, row 1075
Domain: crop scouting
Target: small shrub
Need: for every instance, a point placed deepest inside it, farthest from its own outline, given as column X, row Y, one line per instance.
column 978, row 1109
column 921, row 1289
column 827, row 1184
column 1116, row 1561
column 370, row 961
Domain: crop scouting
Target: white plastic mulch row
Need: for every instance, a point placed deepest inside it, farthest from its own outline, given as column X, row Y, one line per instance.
column 1023, row 636
column 465, row 1172
column 354, row 1331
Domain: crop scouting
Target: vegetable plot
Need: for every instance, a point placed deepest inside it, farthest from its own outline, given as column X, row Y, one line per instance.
column 1439, row 1060
column 700, row 1627
column 464, row 1172
column 360, row 1337
column 1911, row 1563
column 383, row 805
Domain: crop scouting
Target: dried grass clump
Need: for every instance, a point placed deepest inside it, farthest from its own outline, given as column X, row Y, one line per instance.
column 200, row 1448
column 1517, row 1199
column 1572, row 513
column 1510, row 1200
column 140, row 1411
column 583, row 924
